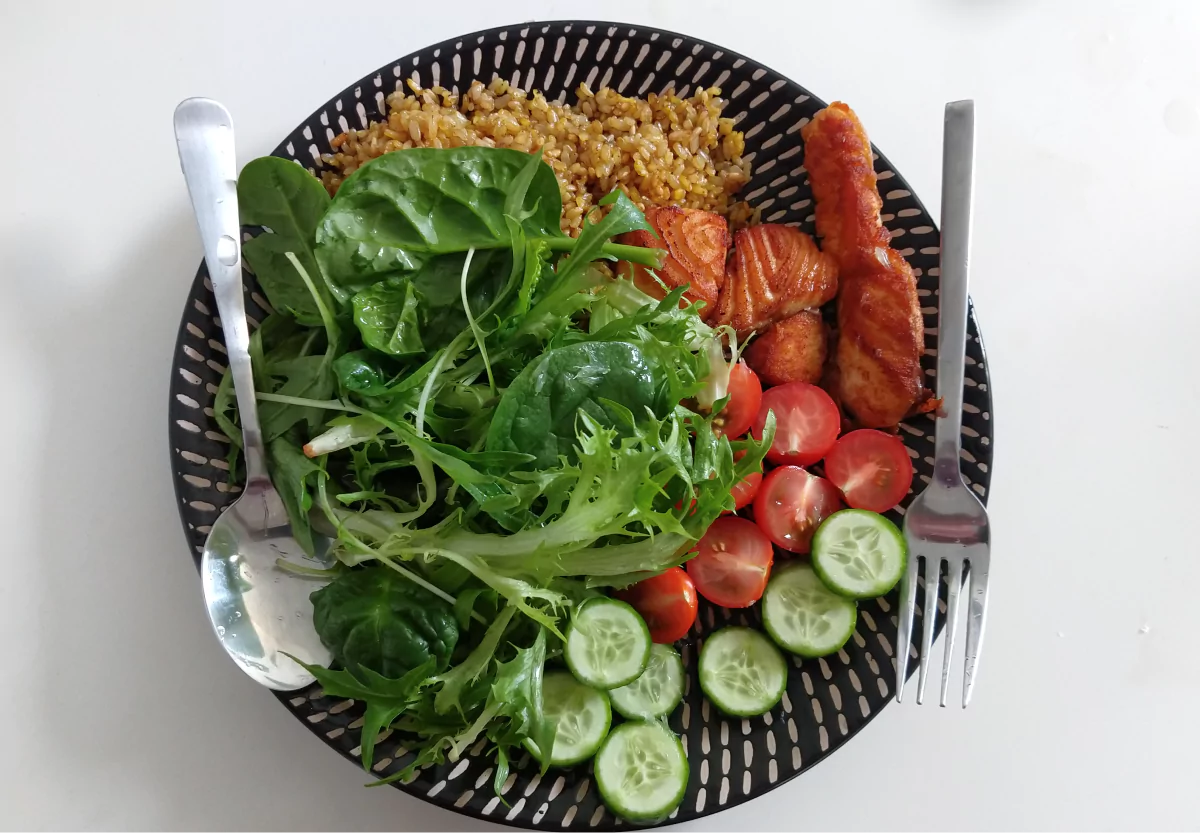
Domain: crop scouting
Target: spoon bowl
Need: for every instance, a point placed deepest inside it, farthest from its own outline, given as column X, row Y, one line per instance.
column 260, row 611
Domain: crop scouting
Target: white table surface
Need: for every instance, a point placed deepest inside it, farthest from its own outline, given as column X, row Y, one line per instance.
column 119, row 708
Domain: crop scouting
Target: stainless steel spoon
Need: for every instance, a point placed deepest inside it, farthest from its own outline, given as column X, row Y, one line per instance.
column 258, row 610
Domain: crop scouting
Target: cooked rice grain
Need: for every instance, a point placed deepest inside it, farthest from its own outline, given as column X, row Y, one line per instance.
column 662, row 150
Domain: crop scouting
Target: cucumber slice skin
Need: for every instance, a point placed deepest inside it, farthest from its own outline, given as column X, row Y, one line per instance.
column 632, row 704
column 577, row 644
column 829, row 572
column 767, row 653
column 803, row 577
column 560, row 687
column 671, row 750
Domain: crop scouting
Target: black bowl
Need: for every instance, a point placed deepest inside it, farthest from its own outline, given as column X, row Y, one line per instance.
column 827, row 700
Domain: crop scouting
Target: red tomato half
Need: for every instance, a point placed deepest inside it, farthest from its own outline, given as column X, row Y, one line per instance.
column 872, row 469
column 733, row 563
column 745, row 396
column 806, row 423
column 791, row 504
column 745, row 490
column 667, row 602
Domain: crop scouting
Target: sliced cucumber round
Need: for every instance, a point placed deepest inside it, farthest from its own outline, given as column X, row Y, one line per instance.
column 859, row 554
column 742, row 672
column 608, row 644
column 641, row 771
column 804, row 616
column 580, row 715
column 657, row 691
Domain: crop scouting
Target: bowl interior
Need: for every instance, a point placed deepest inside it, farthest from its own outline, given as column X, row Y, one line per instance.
column 827, row 700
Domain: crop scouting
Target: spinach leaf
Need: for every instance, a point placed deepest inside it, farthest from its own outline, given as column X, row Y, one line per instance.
column 423, row 312
column 388, row 317
column 537, row 414
column 288, row 200
column 375, row 618
column 399, row 211
column 362, row 372
column 293, row 476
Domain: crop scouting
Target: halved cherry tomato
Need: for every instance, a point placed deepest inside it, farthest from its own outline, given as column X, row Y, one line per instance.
column 733, row 563
column 745, row 490
column 806, row 423
column 667, row 602
column 745, row 396
column 872, row 469
column 791, row 504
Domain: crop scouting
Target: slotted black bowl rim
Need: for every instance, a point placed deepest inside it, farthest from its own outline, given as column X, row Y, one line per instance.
column 771, row 748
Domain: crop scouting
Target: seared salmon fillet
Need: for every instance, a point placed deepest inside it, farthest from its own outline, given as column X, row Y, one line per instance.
column 876, row 373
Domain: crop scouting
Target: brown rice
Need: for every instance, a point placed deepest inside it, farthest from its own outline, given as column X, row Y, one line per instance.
column 662, row 150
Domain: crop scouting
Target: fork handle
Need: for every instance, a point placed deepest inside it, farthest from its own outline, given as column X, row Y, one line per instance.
column 958, row 167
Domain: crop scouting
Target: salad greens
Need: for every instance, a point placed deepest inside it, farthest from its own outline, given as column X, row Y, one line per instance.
column 486, row 423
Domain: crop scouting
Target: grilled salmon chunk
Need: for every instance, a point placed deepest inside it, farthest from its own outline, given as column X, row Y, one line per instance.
column 696, row 242
column 776, row 272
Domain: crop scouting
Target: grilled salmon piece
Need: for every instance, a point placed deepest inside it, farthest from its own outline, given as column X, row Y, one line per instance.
column 791, row 350
column 876, row 369
column 696, row 242
column 776, row 272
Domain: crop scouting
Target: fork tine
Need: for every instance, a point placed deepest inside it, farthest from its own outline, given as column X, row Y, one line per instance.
column 953, row 582
column 908, row 606
column 933, row 567
column 976, row 618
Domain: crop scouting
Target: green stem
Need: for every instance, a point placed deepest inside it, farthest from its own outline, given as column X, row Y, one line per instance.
column 432, row 588
column 328, row 404
column 650, row 258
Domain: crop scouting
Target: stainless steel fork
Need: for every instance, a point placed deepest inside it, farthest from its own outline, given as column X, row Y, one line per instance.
column 947, row 522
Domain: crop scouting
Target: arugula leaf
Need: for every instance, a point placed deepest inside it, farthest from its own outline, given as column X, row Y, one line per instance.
column 293, row 476
column 225, row 414
column 622, row 217
column 386, row 699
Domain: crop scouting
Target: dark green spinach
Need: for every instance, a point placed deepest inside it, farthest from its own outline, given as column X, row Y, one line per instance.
column 539, row 412
column 388, row 317
column 285, row 198
column 375, row 618
column 398, row 212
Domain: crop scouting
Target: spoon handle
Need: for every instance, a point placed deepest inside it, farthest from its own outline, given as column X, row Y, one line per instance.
column 204, row 133
column 958, row 167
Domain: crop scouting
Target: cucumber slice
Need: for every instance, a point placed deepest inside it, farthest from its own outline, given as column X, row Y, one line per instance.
column 804, row 616
column 581, row 717
column 859, row 554
column 657, row 691
column 608, row 644
column 742, row 672
column 641, row 771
